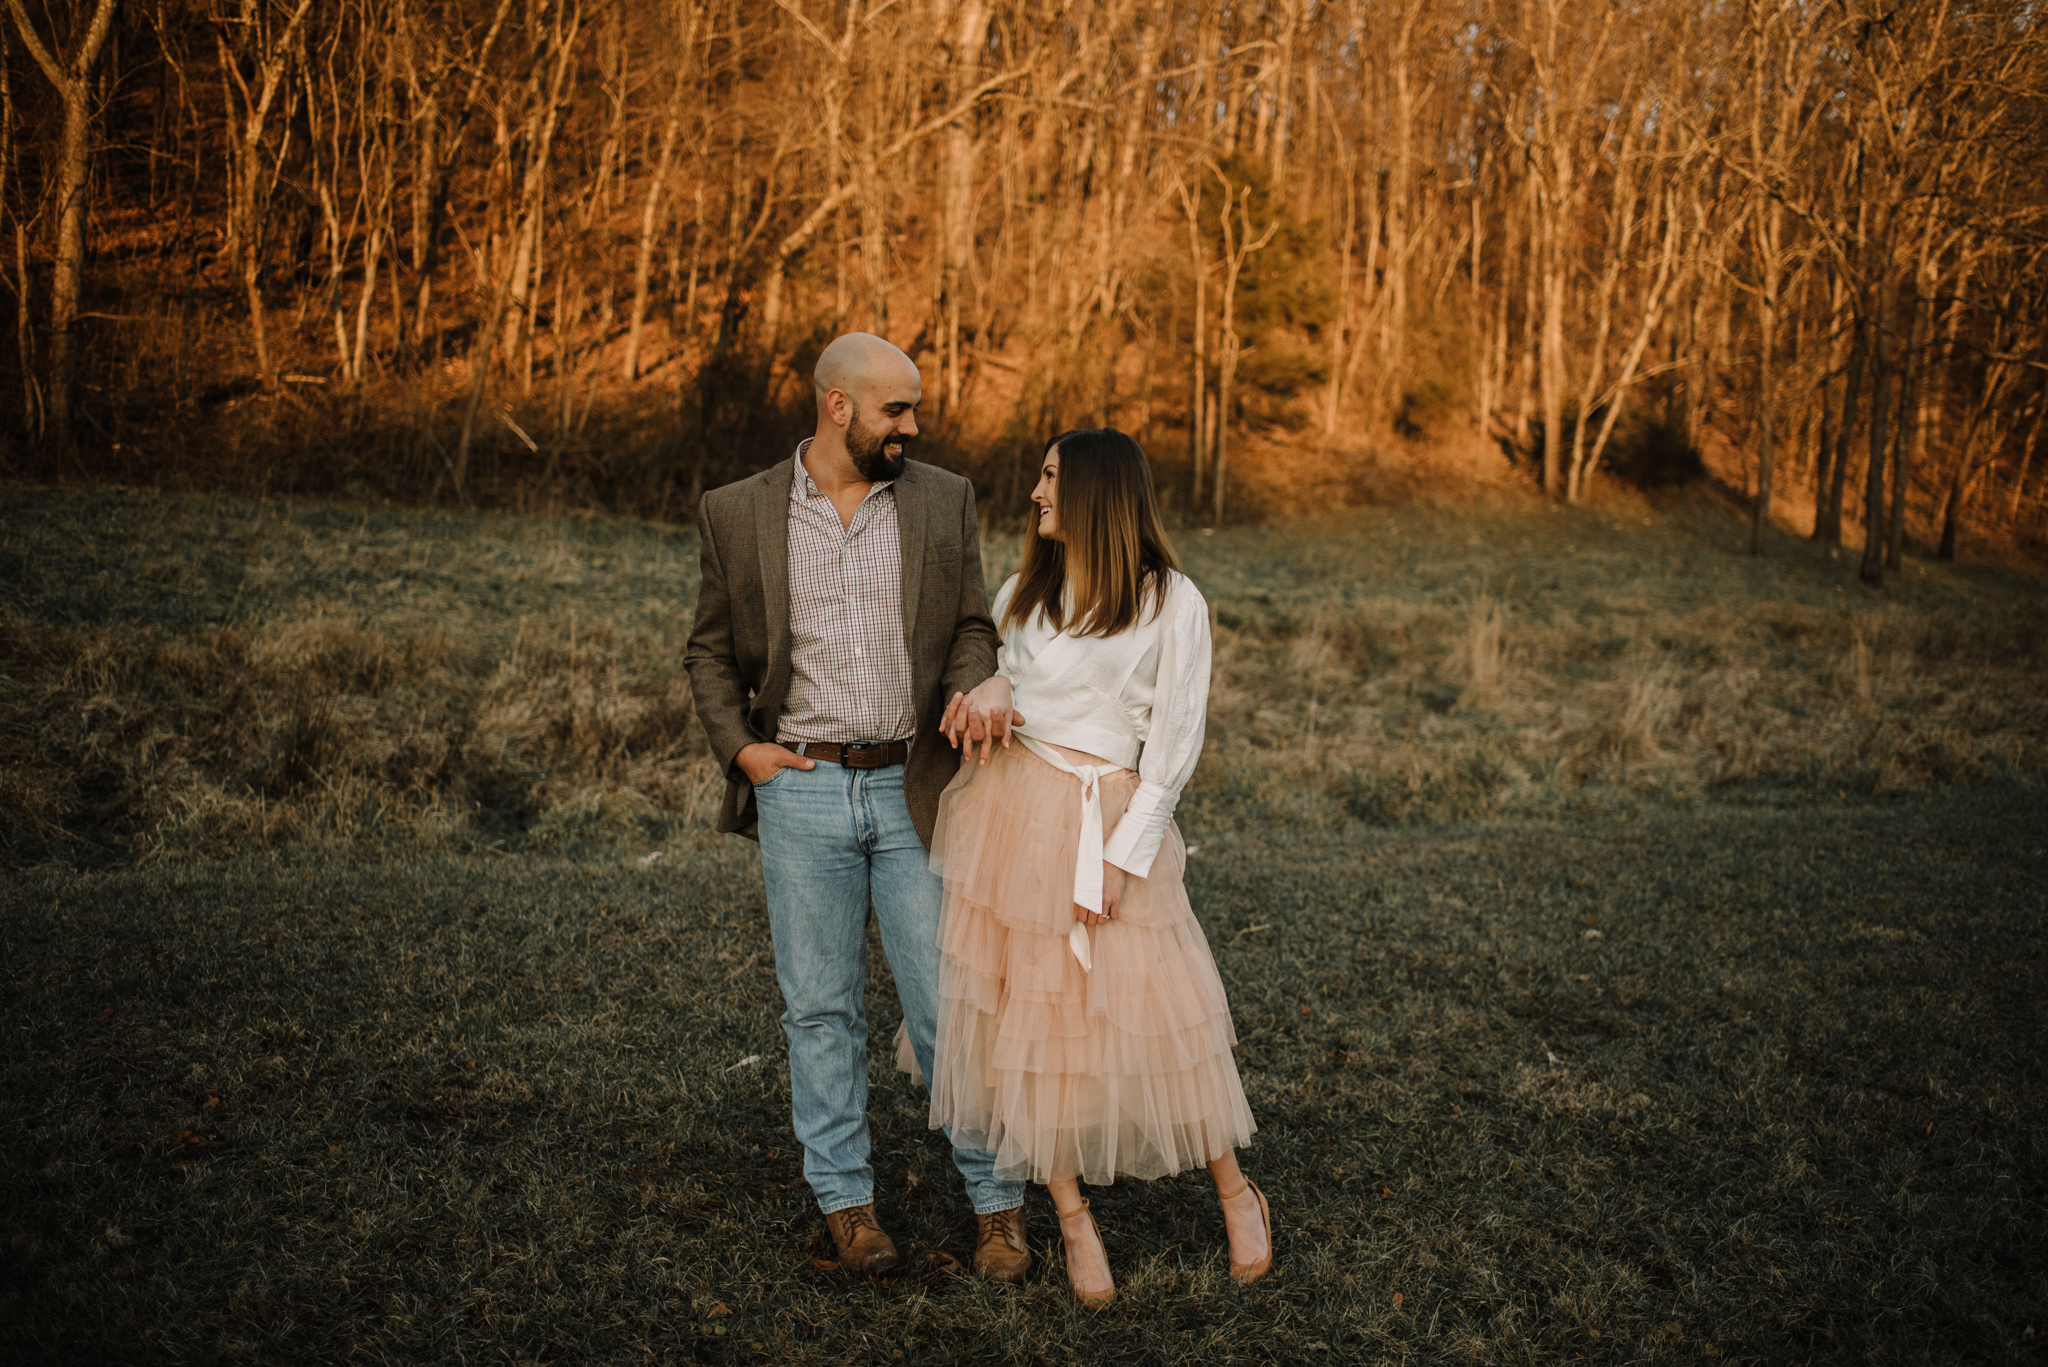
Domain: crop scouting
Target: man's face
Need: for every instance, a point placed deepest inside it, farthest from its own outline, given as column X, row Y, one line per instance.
column 878, row 451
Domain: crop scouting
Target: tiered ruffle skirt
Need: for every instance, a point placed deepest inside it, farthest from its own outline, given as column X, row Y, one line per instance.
column 1059, row 1071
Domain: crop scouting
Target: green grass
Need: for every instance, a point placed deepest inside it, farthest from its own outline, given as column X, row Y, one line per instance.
column 1787, row 1107
column 1653, row 974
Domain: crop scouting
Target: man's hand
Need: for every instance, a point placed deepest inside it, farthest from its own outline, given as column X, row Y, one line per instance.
column 1112, row 894
column 983, row 717
column 764, row 758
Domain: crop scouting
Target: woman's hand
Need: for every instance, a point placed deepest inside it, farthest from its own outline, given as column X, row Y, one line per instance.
column 982, row 717
column 1112, row 894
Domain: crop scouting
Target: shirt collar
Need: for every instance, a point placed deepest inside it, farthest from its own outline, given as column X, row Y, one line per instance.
column 804, row 488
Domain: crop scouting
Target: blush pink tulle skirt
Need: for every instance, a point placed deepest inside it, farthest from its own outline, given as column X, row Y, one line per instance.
column 1057, row 1071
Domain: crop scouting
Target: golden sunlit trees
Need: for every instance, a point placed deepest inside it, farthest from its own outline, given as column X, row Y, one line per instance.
column 484, row 246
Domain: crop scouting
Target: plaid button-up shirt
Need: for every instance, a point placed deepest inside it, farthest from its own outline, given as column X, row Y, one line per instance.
column 849, row 666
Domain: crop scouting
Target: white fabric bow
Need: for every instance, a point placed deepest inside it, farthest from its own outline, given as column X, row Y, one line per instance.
column 1088, row 857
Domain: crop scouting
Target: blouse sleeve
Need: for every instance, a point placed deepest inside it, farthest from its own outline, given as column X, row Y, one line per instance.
column 1173, row 742
column 1006, row 665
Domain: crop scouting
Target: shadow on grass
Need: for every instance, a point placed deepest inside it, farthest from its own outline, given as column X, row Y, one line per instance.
column 1720, row 1085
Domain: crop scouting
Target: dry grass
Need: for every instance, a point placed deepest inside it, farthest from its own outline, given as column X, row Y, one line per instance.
column 189, row 676
column 179, row 676
column 386, row 1036
column 1425, row 664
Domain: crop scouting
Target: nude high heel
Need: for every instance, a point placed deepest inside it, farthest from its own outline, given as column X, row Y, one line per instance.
column 1246, row 1273
column 1094, row 1300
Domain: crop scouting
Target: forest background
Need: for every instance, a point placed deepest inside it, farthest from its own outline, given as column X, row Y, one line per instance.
column 538, row 254
column 1633, row 943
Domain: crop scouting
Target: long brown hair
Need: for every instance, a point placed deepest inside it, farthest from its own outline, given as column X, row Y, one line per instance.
column 1114, row 551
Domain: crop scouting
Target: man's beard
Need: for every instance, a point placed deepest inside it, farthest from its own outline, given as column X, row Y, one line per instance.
column 866, row 450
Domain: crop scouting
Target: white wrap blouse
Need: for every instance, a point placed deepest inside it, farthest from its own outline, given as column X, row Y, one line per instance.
column 1138, row 699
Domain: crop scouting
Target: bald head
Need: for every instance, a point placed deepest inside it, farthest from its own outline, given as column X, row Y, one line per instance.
column 868, row 393
column 858, row 364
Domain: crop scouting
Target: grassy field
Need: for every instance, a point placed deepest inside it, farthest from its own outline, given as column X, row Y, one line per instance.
column 1635, row 951
column 189, row 677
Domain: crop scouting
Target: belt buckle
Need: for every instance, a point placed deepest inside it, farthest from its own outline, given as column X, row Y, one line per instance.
column 854, row 747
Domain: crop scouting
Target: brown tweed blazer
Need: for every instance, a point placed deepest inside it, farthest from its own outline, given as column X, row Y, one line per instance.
column 738, row 655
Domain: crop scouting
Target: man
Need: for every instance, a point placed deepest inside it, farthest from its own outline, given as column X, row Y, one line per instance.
column 842, row 602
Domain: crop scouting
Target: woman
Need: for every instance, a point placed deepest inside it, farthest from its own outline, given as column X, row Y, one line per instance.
column 1083, row 1031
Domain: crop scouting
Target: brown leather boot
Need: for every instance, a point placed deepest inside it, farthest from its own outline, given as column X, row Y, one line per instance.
column 1000, row 1253
column 863, row 1247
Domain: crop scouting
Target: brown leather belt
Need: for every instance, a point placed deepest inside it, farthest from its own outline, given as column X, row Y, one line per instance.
column 859, row 754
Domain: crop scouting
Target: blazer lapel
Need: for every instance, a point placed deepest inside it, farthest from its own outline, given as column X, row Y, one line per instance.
column 771, row 540
column 910, row 519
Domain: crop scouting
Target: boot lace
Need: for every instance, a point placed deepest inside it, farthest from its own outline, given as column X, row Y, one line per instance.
column 994, row 1226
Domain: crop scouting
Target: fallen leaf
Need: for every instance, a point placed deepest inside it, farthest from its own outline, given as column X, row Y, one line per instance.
column 825, row 1264
column 1305, row 1011
column 209, row 1102
column 945, row 1262
column 1386, row 1193
column 718, row 1309
column 107, row 1014
column 177, row 1167
column 1397, row 1300
column 334, row 1150
column 116, row 1239
column 192, row 1136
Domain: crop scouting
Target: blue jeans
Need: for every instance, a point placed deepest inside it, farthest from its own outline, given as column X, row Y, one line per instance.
column 832, row 840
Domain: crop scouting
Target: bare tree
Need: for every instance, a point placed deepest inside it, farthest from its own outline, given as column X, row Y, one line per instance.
column 71, row 73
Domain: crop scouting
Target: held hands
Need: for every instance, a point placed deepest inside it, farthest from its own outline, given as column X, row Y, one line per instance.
column 764, row 759
column 1112, row 894
column 982, row 717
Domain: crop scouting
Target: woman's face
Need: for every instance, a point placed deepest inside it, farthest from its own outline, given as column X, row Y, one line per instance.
column 1046, row 495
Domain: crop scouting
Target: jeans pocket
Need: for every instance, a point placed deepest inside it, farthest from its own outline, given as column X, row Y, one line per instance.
column 773, row 778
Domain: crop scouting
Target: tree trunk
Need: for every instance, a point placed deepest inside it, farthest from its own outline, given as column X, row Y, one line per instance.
column 956, row 197
column 1553, row 362
column 1830, row 529
column 1198, row 369
column 1964, row 478
column 1911, row 403
column 561, row 44
column 1880, row 312
column 1909, row 421
column 1833, row 416
column 643, row 260
column 2019, row 480
column 1772, row 263
column 72, row 78
column 439, row 149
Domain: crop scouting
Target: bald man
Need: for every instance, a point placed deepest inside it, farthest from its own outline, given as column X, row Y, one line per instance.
column 842, row 604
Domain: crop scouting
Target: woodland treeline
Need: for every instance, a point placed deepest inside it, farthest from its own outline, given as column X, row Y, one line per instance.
column 462, row 248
